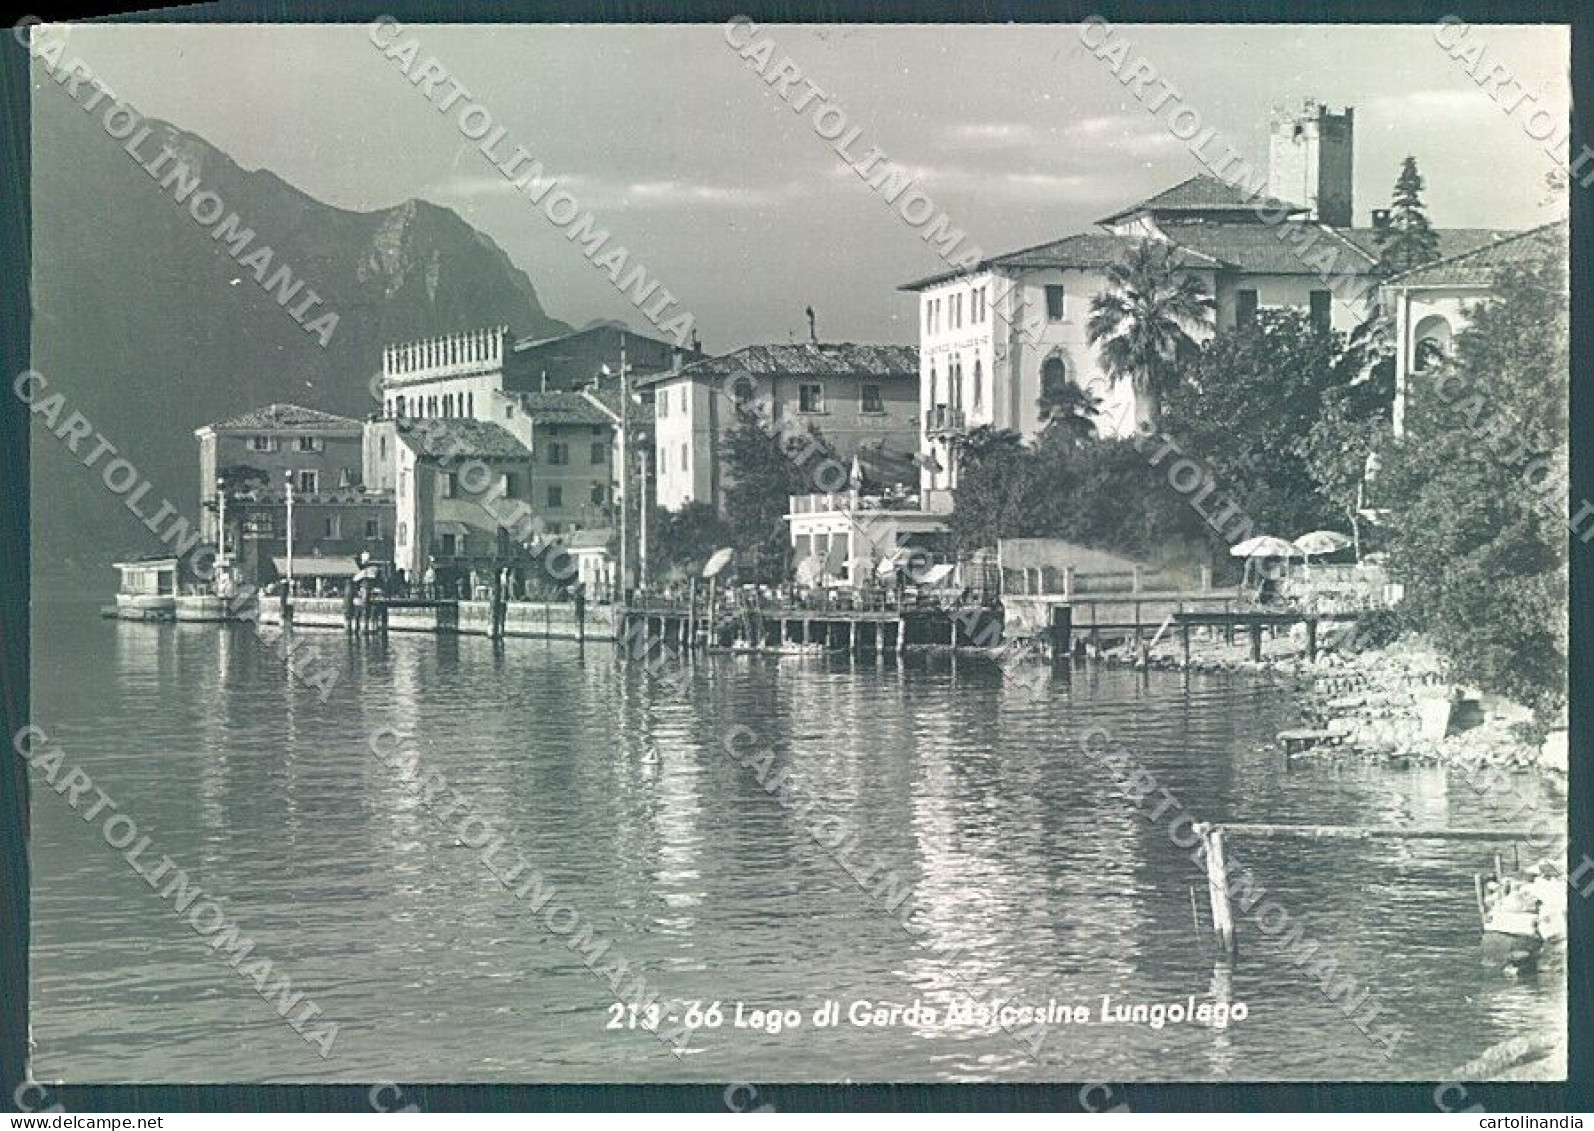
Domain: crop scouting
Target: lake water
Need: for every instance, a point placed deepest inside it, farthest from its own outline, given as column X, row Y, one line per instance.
column 1039, row 877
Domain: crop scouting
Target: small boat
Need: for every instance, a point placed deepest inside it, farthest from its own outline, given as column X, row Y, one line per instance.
column 1520, row 913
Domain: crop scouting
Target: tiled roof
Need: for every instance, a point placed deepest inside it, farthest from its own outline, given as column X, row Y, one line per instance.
column 1203, row 193
column 456, row 437
column 1480, row 265
column 1452, row 241
column 1267, row 249
column 1087, row 249
column 286, row 416
column 809, row 359
column 560, row 408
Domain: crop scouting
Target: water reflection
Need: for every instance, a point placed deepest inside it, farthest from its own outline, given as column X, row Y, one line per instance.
column 1035, row 876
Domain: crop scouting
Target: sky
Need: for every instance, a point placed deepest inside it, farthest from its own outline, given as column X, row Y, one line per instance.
column 733, row 201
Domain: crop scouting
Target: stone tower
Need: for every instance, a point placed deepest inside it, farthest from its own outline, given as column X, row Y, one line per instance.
column 1310, row 160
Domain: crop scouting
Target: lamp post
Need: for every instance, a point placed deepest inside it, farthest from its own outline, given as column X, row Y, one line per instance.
column 642, row 503
column 221, row 520
column 288, row 475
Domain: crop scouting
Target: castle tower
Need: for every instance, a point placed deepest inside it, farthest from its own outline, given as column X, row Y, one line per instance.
column 1310, row 160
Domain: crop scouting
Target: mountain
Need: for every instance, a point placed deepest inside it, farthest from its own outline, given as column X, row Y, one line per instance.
column 151, row 328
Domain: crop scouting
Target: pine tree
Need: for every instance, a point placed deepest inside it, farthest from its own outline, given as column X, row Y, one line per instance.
column 1409, row 240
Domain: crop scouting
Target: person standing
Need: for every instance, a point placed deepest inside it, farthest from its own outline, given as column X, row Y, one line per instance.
column 429, row 582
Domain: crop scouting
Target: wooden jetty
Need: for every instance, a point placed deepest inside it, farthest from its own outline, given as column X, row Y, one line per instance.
column 1215, row 839
column 845, row 622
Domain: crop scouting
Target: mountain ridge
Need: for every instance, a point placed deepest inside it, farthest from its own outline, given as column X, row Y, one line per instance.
column 151, row 328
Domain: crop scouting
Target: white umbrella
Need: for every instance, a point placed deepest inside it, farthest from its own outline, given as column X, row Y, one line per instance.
column 1265, row 546
column 718, row 561
column 1322, row 542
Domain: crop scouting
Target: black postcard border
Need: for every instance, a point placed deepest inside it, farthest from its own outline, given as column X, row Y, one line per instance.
column 15, row 304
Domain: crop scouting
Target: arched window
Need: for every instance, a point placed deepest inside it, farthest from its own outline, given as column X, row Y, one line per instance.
column 955, row 379
column 979, row 385
column 1432, row 338
column 470, row 404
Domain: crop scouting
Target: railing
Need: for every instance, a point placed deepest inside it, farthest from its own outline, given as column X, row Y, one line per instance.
column 842, row 500
column 943, row 418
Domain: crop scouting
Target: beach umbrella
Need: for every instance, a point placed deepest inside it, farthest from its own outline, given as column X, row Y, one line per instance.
column 1265, row 546
column 720, row 559
column 1322, row 542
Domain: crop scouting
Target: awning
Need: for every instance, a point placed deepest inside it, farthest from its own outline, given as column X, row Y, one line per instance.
column 317, row 567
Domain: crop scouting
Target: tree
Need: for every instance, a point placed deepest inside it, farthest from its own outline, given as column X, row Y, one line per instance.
column 1068, row 407
column 687, row 538
column 996, row 483
column 1477, row 493
column 1409, row 240
column 1249, row 402
column 1144, row 324
column 764, row 469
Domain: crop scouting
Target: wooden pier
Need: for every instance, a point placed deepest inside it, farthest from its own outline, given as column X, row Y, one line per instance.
column 837, row 623
column 1215, row 839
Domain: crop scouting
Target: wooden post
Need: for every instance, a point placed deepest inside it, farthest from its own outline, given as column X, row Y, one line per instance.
column 1062, row 632
column 1184, row 634
column 1256, row 643
column 1311, row 639
column 1218, row 888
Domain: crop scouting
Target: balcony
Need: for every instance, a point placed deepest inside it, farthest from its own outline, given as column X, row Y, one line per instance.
column 943, row 420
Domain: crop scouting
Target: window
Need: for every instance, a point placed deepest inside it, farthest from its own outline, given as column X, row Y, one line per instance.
column 309, row 482
column 509, row 412
column 599, row 494
column 811, row 398
column 508, row 485
column 600, row 454
column 556, row 496
column 331, row 527
column 957, row 311
column 1245, row 307
column 979, row 385
column 309, row 444
column 558, row 454
column 928, row 307
column 403, row 534
column 1321, row 309
column 979, row 305
column 448, row 484
column 663, row 406
column 742, row 390
column 262, row 443
column 373, row 528
column 1055, row 305
column 470, row 404
column 686, row 458
column 933, row 383
column 381, row 445
column 664, row 459
column 869, row 399
column 954, row 378
column 345, row 477
column 448, row 545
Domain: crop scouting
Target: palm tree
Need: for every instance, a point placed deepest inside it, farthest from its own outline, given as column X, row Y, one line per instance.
column 1144, row 324
column 1067, row 407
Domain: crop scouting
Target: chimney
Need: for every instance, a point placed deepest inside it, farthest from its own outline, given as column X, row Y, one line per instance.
column 813, row 334
column 1380, row 219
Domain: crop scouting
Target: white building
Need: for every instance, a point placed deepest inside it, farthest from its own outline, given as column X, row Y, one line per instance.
column 1429, row 304
column 993, row 336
